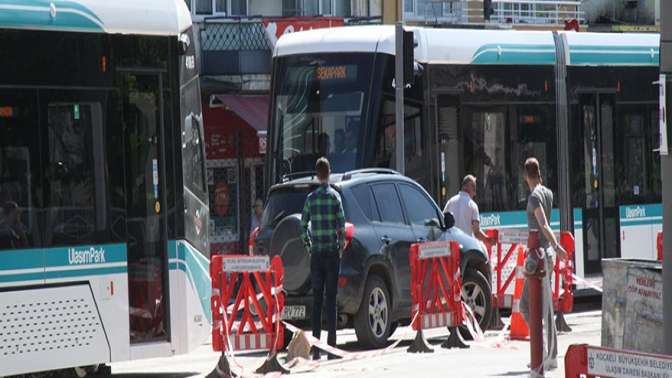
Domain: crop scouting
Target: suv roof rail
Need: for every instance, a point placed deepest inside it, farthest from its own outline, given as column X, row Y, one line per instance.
column 385, row 171
column 295, row 175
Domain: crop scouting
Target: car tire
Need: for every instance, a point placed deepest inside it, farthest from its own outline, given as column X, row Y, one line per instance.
column 477, row 293
column 372, row 320
column 393, row 328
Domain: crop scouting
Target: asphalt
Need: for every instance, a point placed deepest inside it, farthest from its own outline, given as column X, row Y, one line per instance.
column 494, row 357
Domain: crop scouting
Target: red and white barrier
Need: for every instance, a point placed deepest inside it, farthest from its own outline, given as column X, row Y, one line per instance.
column 247, row 324
column 504, row 269
column 436, row 285
column 436, row 291
column 589, row 361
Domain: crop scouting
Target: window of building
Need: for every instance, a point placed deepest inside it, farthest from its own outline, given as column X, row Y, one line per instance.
column 220, row 7
column 409, row 6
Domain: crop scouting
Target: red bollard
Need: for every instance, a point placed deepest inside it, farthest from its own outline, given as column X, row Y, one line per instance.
column 535, row 270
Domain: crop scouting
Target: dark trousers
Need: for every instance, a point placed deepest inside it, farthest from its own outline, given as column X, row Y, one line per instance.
column 324, row 271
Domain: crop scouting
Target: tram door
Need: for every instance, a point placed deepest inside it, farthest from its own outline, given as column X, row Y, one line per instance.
column 600, row 210
column 142, row 120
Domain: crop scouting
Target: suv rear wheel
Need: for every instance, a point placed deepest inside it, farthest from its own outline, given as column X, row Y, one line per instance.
column 372, row 321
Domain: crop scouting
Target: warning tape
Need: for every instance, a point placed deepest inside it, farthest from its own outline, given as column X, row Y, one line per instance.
column 585, row 282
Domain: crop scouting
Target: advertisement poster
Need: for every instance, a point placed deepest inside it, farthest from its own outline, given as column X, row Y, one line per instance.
column 223, row 191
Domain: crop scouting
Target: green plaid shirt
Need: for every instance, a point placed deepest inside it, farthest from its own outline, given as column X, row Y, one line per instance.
column 323, row 221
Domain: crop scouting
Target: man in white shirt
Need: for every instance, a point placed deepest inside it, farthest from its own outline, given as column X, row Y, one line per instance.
column 465, row 210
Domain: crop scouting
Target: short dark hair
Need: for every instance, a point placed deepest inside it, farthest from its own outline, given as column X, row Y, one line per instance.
column 322, row 168
column 532, row 168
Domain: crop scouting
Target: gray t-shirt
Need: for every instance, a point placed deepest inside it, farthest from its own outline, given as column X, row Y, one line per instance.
column 540, row 196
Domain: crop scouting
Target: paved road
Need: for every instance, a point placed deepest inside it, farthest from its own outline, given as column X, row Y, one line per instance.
column 481, row 360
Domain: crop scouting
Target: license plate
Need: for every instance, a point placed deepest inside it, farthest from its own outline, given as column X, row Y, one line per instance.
column 294, row 313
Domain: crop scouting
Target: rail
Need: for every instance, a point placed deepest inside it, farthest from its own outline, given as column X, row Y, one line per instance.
column 536, row 12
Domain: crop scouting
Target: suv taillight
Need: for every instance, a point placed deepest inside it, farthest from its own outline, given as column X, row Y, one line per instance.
column 349, row 234
column 251, row 240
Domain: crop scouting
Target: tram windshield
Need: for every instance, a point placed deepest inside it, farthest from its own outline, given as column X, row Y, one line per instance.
column 319, row 110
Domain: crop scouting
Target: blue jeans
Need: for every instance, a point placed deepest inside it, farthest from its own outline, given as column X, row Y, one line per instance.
column 324, row 271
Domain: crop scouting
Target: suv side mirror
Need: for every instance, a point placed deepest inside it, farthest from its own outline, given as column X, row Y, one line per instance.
column 434, row 223
column 448, row 219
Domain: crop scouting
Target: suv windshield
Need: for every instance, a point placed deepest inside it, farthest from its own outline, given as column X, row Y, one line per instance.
column 281, row 203
column 319, row 106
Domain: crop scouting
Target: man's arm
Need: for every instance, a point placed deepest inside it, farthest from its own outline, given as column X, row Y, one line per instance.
column 476, row 224
column 540, row 214
column 340, row 220
column 479, row 234
column 305, row 220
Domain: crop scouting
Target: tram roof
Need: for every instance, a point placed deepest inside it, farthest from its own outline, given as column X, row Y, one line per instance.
column 465, row 46
column 141, row 17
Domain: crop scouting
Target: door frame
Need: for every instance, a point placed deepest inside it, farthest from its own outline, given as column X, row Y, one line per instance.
column 163, row 216
column 596, row 94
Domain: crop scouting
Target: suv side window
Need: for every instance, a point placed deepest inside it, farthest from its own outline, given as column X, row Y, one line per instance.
column 366, row 202
column 419, row 208
column 388, row 203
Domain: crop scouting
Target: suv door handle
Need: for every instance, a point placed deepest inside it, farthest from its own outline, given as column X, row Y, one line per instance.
column 386, row 239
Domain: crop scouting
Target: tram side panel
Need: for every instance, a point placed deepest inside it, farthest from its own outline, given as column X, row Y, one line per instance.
column 190, row 289
column 77, row 316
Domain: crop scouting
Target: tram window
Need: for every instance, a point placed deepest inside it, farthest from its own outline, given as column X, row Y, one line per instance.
column 71, row 216
column 635, row 141
column 413, row 138
column 497, row 141
column 19, row 171
column 192, row 142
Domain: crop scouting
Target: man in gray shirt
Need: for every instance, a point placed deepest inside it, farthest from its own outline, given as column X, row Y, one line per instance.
column 539, row 206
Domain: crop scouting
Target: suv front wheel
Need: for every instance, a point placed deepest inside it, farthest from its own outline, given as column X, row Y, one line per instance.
column 372, row 321
column 476, row 293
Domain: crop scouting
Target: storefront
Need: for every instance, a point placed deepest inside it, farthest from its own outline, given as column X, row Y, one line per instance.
column 235, row 137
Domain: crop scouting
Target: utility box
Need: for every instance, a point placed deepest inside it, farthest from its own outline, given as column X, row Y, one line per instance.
column 632, row 305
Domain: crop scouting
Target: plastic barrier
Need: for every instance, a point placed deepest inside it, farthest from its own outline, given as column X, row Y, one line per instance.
column 504, row 269
column 247, row 302
column 659, row 246
column 436, row 291
column 588, row 361
column 503, row 266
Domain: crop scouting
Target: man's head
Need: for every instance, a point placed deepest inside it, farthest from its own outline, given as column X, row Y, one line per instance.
column 323, row 170
column 258, row 207
column 532, row 171
column 10, row 211
column 469, row 185
column 222, row 199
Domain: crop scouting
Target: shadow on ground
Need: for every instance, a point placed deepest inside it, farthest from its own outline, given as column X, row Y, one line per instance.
column 155, row 375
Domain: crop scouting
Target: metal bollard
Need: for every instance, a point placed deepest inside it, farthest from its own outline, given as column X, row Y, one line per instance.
column 535, row 271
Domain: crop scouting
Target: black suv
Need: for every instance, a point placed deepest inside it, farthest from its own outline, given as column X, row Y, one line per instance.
column 385, row 213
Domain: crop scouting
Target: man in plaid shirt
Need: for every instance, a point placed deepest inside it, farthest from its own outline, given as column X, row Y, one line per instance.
column 323, row 223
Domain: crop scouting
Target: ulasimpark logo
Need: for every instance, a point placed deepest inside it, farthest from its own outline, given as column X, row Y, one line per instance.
column 86, row 256
column 635, row 212
column 490, row 220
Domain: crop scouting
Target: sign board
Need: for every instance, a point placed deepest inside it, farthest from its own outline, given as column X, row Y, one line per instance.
column 611, row 363
column 277, row 27
column 435, row 249
column 662, row 105
column 246, row 264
